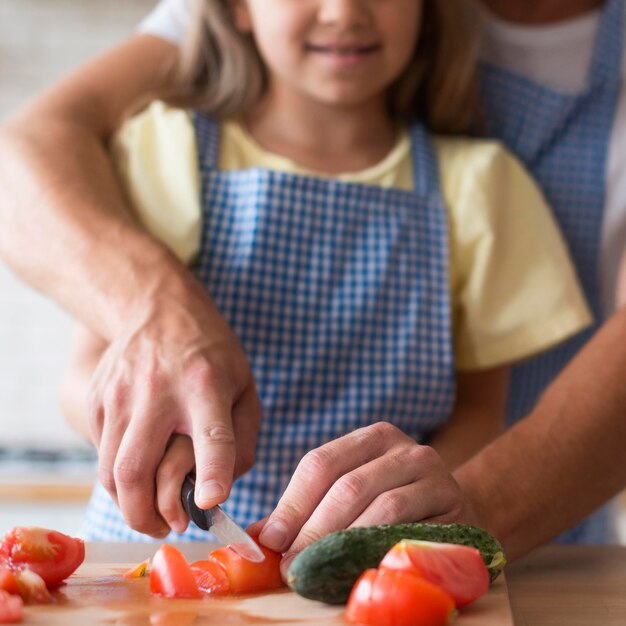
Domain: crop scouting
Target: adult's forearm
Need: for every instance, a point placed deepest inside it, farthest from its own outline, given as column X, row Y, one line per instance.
column 66, row 229
column 563, row 460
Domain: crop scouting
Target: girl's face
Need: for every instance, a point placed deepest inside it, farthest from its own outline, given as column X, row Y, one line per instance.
column 340, row 52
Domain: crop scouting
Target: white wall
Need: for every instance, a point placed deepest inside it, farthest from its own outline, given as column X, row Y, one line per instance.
column 39, row 41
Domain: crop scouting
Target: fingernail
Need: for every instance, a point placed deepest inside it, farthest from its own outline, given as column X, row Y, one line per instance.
column 210, row 492
column 274, row 535
column 284, row 565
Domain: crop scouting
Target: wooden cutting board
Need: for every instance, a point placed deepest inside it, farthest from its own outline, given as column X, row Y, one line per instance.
column 98, row 595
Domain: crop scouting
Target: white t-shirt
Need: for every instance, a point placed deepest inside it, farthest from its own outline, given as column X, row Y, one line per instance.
column 556, row 55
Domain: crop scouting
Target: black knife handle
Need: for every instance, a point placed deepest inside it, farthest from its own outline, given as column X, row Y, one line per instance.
column 201, row 518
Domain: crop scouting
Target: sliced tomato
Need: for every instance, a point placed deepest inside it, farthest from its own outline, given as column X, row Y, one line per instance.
column 247, row 577
column 171, row 576
column 11, row 608
column 139, row 571
column 51, row 554
column 210, row 576
column 359, row 609
column 8, row 581
column 397, row 598
column 459, row 570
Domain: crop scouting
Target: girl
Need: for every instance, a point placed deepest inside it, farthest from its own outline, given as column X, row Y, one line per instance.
column 379, row 279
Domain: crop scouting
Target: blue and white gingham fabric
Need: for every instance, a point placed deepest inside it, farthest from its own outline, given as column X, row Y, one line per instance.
column 339, row 294
column 563, row 139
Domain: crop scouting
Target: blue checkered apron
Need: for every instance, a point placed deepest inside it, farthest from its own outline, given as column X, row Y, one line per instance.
column 339, row 294
column 563, row 139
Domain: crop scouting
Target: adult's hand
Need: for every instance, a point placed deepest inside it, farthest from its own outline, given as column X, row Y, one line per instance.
column 178, row 369
column 374, row 475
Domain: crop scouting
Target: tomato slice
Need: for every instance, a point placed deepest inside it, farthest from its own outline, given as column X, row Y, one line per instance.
column 139, row 571
column 51, row 554
column 171, row 576
column 359, row 609
column 247, row 577
column 398, row 598
column 11, row 608
column 210, row 576
column 459, row 570
column 8, row 581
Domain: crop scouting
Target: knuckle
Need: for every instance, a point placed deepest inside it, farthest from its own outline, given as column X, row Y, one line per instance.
column 214, row 467
column 349, row 488
column 288, row 512
column 128, row 472
column 306, row 537
column 382, row 429
column 423, row 455
column 217, row 433
column 168, row 509
column 394, row 505
column 202, row 374
column 317, row 462
column 167, row 469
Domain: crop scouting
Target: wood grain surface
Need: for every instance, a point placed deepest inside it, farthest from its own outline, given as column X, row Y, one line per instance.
column 97, row 594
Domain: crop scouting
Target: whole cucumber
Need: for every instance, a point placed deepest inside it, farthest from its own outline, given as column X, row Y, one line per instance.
column 327, row 569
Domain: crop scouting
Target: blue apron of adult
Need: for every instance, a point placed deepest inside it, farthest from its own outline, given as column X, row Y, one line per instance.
column 563, row 139
column 339, row 294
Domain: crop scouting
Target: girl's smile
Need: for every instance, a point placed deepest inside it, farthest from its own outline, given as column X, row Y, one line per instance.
column 344, row 55
column 341, row 52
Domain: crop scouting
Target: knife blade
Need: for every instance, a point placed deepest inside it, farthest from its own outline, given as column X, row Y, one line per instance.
column 220, row 524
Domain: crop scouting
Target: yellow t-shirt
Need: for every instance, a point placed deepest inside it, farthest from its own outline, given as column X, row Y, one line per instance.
column 513, row 289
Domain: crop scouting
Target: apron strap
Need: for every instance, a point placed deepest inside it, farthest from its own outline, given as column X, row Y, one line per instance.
column 606, row 62
column 208, row 135
column 425, row 164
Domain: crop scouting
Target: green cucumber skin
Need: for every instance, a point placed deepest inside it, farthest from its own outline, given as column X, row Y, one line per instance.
column 327, row 569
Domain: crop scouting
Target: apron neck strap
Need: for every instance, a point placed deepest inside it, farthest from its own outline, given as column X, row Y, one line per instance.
column 608, row 48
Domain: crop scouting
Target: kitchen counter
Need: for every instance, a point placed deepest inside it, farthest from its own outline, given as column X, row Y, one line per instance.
column 569, row 585
column 552, row 586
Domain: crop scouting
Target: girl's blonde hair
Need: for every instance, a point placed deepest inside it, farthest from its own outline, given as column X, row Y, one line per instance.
column 222, row 73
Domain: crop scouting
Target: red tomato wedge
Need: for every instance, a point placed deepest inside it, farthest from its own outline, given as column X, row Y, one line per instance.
column 11, row 608
column 458, row 570
column 210, row 576
column 397, row 598
column 51, row 554
column 247, row 577
column 171, row 575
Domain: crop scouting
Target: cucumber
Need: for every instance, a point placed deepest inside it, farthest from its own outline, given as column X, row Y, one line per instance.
column 327, row 569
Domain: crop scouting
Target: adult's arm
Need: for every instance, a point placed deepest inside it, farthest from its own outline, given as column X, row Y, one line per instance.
column 64, row 217
column 172, row 365
column 564, row 459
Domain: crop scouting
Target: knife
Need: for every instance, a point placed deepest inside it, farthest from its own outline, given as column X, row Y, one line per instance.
column 220, row 524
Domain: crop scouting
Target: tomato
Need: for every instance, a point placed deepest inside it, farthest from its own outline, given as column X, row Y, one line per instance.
column 139, row 571
column 459, row 570
column 210, row 576
column 247, row 577
column 8, row 581
column 52, row 555
column 171, row 576
column 385, row 597
column 11, row 608
column 26, row 584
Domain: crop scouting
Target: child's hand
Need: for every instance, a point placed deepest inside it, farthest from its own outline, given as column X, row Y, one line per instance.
column 374, row 475
column 180, row 370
